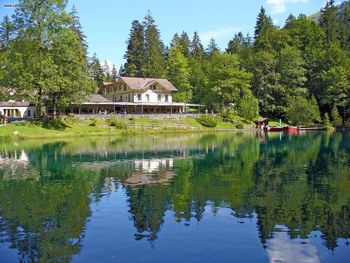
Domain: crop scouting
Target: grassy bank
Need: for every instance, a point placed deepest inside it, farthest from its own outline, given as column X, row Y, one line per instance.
column 76, row 127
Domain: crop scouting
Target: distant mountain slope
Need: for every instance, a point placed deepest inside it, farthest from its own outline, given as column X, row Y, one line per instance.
column 342, row 9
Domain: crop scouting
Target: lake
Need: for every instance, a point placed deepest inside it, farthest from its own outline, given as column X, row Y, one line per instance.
column 225, row 197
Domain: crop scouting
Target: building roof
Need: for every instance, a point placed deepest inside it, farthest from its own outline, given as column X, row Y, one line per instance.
column 96, row 98
column 14, row 104
column 143, row 83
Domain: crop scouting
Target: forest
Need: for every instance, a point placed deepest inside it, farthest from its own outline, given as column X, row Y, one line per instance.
column 278, row 72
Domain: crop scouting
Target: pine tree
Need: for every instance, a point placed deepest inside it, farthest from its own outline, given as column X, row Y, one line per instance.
column 135, row 54
column 196, row 47
column 107, row 71
column 114, row 74
column 236, row 44
column 263, row 28
column 185, row 43
column 6, row 29
column 329, row 23
column 96, row 70
column 336, row 119
column 122, row 71
column 212, row 48
column 77, row 28
column 154, row 50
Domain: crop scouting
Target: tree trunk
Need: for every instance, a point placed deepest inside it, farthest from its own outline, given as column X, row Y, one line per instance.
column 54, row 103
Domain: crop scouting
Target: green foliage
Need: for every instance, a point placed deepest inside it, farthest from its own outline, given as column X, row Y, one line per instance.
column 93, row 122
column 135, row 51
column 248, row 107
column 326, row 121
column 178, row 72
column 208, row 120
column 45, row 56
column 303, row 111
column 154, row 65
column 240, row 126
column 336, row 119
column 227, row 81
column 117, row 123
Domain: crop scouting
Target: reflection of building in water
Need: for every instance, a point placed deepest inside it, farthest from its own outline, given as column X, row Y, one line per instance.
column 15, row 165
column 148, row 171
column 153, row 165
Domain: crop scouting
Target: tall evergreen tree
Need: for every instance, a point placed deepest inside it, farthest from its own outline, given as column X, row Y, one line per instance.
column 328, row 21
column 6, row 29
column 185, row 44
column 75, row 25
column 262, row 32
column 135, row 54
column 114, row 74
column 196, row 47
column 154, row 50
column 236, row 44
column 96, row 70
column 212, row 47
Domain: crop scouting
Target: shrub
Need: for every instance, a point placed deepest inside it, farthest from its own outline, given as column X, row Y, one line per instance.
column 208, row 120
column 72, row 119
column 240, row 126
column 93, row 122
column 117, row 123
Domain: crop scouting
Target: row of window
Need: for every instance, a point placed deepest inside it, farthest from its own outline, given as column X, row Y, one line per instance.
column 139, row 97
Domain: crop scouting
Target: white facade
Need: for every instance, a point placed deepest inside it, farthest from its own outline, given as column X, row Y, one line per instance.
column 17, row 111
column 122, row 93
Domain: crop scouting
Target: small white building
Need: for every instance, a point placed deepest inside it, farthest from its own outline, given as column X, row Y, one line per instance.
column 17, row 109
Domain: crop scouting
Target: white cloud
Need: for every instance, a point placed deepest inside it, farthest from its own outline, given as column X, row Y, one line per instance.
column 279, row 6
column 283, row 249
column 218, row 34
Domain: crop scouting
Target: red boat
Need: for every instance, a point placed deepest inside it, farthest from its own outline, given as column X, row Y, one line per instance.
column 289, row 129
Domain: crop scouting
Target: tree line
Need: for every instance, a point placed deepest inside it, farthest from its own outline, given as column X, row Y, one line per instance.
column 279, row 72
column 271, row 73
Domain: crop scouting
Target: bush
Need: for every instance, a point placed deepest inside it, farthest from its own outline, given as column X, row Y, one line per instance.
column 72, row 119
column 208, row 120
column 117, row 123
column 93, row 122
column 240, row 126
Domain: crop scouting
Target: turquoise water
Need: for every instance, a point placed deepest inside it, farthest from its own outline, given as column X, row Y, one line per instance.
column 227, row 197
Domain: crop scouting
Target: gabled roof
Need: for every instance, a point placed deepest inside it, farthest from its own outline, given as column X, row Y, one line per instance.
column 143, row 83
column 14, row 104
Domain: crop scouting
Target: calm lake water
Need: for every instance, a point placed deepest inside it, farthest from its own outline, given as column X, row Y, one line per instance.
column 186, row 198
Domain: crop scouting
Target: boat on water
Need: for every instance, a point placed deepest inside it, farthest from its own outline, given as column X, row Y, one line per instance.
column 289, row 129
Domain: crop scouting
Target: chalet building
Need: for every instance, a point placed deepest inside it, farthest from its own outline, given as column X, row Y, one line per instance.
column 134, row 96
column 17, row 109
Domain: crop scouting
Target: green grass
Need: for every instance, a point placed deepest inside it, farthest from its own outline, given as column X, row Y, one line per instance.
column 75, row 127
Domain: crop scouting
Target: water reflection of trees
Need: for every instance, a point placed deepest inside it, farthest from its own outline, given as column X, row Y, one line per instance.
column 44, row 217
column 300, row 182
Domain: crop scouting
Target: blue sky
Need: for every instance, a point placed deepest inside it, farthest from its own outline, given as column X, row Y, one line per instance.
column 107, row 23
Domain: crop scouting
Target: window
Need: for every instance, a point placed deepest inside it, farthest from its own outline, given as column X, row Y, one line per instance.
column 147, row 97
column 28, row 113
column 159, row 97
column 125, row 87
column 129, row 99
column 138, row 96
column 166, row 98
